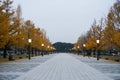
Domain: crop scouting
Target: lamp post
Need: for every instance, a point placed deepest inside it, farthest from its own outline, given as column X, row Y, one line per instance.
column 78, row 49
column 84, row 49
column 98, row 41
column 48, row 49
column 29, row 41
column 42, row 49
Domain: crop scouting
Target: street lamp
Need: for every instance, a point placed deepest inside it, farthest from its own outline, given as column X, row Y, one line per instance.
column 97, row 41
column 48, row 49
column 84, row 49
column 29, row 41
column 42, row 45
column 78, row 49
column 42, row 49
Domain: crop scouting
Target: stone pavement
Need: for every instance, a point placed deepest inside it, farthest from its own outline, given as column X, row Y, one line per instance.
column 109, row 68
column 13, row 69
column 63, row 67
column 60, row 67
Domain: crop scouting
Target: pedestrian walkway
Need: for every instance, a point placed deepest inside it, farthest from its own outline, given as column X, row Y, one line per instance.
column 63, row 67
column 107, row 67
column 13, row 69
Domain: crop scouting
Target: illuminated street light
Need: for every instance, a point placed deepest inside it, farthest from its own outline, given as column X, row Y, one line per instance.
column 29, row 41
column 84, row 45
column 42, row 45
column 48, row 49
column 78, row 47
column 42, row 53
column 98, row 41
column 84, row 49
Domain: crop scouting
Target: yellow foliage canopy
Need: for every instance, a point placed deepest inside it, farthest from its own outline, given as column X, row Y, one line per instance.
column 117, row 39
column 90, row 44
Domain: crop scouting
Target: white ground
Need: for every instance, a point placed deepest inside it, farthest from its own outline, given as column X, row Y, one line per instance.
column 63, row 67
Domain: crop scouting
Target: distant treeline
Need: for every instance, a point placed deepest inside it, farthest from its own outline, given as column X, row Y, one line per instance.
column 63, row 47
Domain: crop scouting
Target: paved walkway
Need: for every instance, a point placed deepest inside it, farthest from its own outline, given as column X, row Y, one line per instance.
column 107, row 67
column 13, row 69
column 63, row 67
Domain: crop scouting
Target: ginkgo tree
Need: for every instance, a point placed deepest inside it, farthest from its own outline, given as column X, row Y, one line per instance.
column 8, row 30
column 107, row 31
column 112, row 30
column 115, row 17
column 15, row 32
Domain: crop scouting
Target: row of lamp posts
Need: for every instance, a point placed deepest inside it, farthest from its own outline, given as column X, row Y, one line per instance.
column 29, row 48
column 98, row 53
column 29, row 52
column 42, row 51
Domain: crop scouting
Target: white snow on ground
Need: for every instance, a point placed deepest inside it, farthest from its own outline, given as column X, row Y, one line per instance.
column 107, row 67
column 63, row 67
column 13, row 69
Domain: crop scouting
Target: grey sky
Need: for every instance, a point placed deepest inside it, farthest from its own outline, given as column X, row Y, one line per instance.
column 64, row 20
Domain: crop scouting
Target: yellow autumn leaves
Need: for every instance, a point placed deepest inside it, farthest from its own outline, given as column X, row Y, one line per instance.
column 15, row 32
column 107, row 31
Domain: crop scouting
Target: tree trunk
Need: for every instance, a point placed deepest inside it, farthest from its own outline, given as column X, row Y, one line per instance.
column 5, row 52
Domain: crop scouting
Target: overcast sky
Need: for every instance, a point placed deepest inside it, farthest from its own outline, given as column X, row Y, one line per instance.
column 64, row 20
